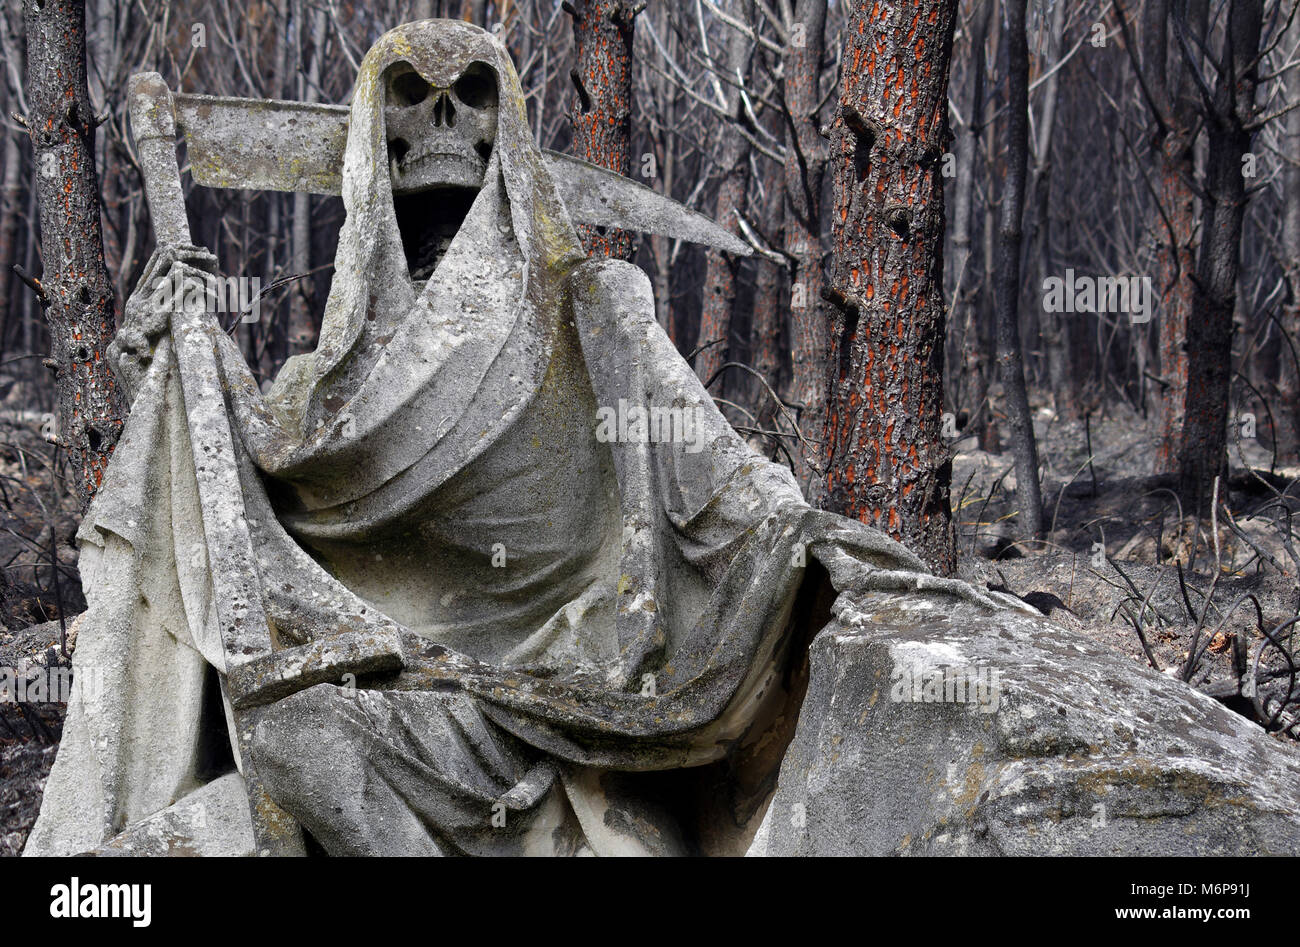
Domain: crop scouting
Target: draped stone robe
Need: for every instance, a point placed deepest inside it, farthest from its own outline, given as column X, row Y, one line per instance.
column 603, row 639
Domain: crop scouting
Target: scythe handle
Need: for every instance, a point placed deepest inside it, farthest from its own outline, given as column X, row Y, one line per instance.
column 153, row 126
column 231, row 559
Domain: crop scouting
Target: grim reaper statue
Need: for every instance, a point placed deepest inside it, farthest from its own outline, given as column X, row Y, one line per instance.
column 416, row 600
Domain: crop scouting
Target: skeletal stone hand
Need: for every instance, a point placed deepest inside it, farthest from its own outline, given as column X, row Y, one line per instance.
column 148, row 310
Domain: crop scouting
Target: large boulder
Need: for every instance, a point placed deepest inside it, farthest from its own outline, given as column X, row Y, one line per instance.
column 964, row 732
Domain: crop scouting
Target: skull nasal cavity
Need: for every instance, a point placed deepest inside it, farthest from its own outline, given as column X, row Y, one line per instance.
column 444, row 113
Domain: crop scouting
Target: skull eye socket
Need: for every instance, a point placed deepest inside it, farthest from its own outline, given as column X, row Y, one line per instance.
column 409, row 88
column 477, row 87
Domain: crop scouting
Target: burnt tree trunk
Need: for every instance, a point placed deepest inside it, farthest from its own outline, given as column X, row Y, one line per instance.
column 805, row 171
column 769, row 318
column 887, row 463
column 1169, row 81
column 77, row 294
column 1007, row 279
column 971, row 370
column 720, row 268
column 1287, row 405
column 990, row 435
column 1054, row 327
column 1202, row 449
column 302, row 326
column 602, row 111
column 11, row 194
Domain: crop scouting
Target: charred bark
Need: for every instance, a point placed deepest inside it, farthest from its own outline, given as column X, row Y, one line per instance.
column 76, row 292
column 770, row 356
column 720, row 268
column 10, row 199
column 1054, row 328
column 804, row 174
column 1007, row 280
column 887, row 464
column 302, row 327
column 1167, row 76
column 972, row 368
column 720, row 271
column 1202, row 450
column 1287, row 405
column 602, row 112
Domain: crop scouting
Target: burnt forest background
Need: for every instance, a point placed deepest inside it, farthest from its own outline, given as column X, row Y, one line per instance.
column 1025, row 291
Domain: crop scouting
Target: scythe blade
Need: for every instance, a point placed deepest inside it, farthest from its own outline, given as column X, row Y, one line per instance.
column 274, row 145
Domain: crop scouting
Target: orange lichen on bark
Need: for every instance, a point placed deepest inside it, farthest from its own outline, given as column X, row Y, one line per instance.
column 893, row 354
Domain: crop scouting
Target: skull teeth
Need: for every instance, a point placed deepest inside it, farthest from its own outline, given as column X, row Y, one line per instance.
column 437, row 162
column 410, row 162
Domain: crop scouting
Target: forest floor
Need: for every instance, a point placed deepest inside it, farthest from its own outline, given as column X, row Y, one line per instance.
column 1116, row 547
column 34, row 520
column 29, row 734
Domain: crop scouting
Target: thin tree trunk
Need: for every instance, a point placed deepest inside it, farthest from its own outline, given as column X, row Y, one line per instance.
column 972, row 388
column 720, row 268
column 1007, row 284
column 887, row 464
column 1054, row 327
column 10, row 197
column 1202, row 451
column 31, row 327
column 269, row 330
column 78, row 296
column 13, row 194
column 990, row 438
column 804, row 173
column 770, row 296
column 1287, row 405
column 602, row 113
column 302, row 327
column 1174, row 225
column 661, row 246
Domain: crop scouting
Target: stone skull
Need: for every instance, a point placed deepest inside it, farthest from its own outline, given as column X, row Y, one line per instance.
column 439, row 136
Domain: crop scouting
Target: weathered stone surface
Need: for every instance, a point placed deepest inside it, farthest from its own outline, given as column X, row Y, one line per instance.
column 298, row 146
column 212, row 821
column 279, row 674
column 1068, row 748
